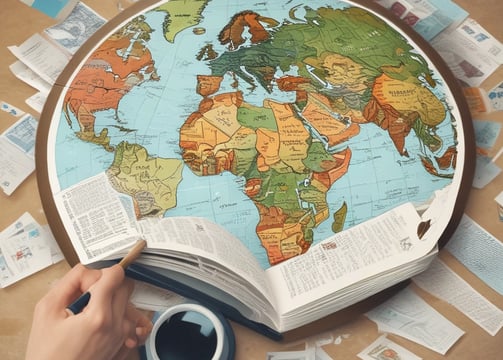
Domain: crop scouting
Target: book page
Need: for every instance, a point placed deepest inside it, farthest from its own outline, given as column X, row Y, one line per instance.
column 348, row 257
column 200, row 237
column 102, row 225
column 95, row 219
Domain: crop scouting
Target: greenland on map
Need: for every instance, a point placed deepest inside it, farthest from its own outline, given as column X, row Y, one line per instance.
column 283, row 121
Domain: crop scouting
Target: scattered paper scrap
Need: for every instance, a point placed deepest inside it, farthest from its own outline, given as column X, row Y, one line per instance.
column 25, row 248
column 499, row 202
column 308, row 354
column 496, row 97
column 37, row 101
column 25, row 74
column 56, row 253
column 471, row 52
column 17, row 148
column 11, row 109
column 383, row 348
column 42, row 57
column 72, row 32
column 152, row 298
column 486, row 133
column 477, row 99
column 485, row 171
column 479, row 251
column 442, row 282
column 427, row 17
column 54, row 8
column 408, row 315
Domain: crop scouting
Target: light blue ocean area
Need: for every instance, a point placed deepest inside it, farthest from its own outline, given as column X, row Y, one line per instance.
column 155, row 110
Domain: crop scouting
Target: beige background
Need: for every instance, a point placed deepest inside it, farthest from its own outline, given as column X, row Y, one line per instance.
column 19, row 22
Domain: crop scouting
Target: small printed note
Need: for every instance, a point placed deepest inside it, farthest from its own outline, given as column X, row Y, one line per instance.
column 479, row 251
column 8, row 108
column 408, row 315
column 25, row 248
column 384, row 349
column 440, row 281
column 496, row 97
column 76, row 28
column 17, row 149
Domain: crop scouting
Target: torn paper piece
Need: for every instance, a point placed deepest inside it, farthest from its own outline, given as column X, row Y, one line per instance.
column 477, row 99
column 23, row 254
column 76, row 28
column 57, row 9
column 499, row 202
column 479, row 251
column 486, row 133
column 37, row 101
column 308, row 354
column 440, row 281
column 471, row 53
column 383, row 348
column 408, row 315
column 41, row 56
column 17, row 148
column 495, row 96
column 485, row 171
column 11, row 109
column 25, row 74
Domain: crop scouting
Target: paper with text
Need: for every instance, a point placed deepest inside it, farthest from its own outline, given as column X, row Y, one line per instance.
column 445, row 284
column 42, row 57
column 383, row 349
column 24, row 250
column 479, row 251
column 408, row 315
column 17, row 150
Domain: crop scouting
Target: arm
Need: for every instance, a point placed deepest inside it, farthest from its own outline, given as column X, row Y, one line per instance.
column 108, row 328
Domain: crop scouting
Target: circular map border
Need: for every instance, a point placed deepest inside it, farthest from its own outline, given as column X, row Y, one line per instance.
column 451, row 83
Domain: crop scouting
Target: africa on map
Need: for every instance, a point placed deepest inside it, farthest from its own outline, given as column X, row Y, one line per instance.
column 283, row 121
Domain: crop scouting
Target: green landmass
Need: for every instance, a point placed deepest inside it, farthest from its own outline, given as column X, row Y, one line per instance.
column 180, row 15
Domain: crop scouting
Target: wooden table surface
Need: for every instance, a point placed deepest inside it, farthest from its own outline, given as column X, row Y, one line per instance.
column 19, row 22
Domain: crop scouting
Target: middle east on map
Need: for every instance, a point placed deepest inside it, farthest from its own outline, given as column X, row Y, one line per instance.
column 284, row 122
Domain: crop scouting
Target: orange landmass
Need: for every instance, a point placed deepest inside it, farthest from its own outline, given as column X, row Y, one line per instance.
column 208, row 85
column 448, row 159
column 213, row 124
column 294, row 83
column 319, row 114
column 388, row 118
column 103, row 80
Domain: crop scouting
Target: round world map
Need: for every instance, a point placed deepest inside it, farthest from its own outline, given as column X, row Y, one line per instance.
column 283, row 121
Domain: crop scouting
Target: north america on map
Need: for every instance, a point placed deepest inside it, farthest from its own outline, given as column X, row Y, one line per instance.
column 284, row 122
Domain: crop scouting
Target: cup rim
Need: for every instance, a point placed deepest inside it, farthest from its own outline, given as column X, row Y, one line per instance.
column 217, row 324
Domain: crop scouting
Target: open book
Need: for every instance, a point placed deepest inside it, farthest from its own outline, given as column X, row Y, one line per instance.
column 200, row 255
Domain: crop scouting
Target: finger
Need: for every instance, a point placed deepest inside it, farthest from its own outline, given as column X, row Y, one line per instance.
column 121, row 299
column 103, row 292
column 129, row 331
column 143, row 328
column 71, row 286
column 143, row 324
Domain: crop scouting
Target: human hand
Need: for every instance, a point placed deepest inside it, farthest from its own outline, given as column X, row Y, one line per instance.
column 108, row 327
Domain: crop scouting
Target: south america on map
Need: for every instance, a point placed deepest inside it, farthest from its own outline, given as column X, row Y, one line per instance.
column 282, row 121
